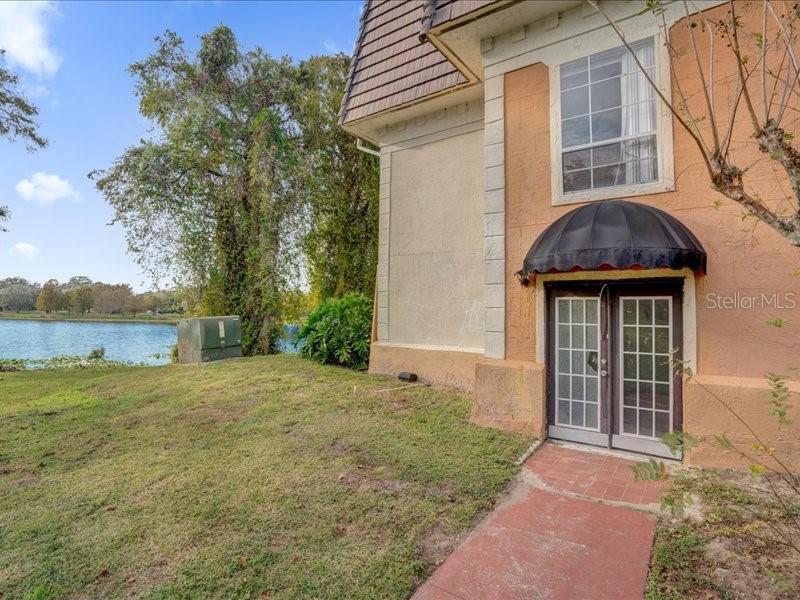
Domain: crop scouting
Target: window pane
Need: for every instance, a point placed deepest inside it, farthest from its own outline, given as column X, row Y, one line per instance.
column 607, row 125
column 563, row 386
column 645, row 395
column 591, row 390
column 645, row 312
column 662, row 312
column 662, row 396
column 645, row 339
column 577, row 414
column 577, row 362
column 563, row 361
column 629, row 394
column 629, row 369
column 574, row 73
column 629, row 312
column 638, row 117
column 645, row 422
column 662, row 368
column 575, row 102
column 563, row 336
column 591, row 416
column 579, row 159
column 563, row 412
column 577, row 180
column 662, row 340
column 575, row 132
column 591, row 337
column 608, row 176
column 577, row 388
column 591, row 311
column 606, row 94
column 577, row 336
column 629, row 420
column 662, row 424
column 608, row 154
column 591, row 363
column 563, row 310
column 646, row 367
column 629, row 339
column 577, row 311
column 607, row 63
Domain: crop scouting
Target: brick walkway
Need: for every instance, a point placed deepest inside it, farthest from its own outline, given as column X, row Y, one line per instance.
column 574, row 526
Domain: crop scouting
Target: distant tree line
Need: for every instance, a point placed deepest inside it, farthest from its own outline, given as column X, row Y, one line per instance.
column 80, row 295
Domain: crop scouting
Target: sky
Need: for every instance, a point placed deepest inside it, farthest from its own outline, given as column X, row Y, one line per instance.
column 72, row 59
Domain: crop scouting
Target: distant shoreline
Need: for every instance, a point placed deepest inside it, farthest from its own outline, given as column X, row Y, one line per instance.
column 147, row 320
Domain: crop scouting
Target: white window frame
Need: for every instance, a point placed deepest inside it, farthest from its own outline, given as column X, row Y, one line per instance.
column 664, row 135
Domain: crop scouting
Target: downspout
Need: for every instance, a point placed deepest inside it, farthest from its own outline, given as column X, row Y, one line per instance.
column 366, row 149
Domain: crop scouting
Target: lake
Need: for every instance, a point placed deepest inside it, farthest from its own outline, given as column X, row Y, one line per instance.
column 129, row 342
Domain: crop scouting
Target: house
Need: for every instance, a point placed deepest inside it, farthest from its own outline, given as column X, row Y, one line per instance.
column 549, row 239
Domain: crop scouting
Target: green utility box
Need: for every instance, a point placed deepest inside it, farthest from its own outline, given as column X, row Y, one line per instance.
column 209, row 338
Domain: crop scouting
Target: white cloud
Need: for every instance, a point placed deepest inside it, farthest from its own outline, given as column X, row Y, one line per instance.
column 46, row 188
column 24, row 36
column 24, row 249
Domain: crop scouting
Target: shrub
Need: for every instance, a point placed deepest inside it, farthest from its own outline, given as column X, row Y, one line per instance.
column 97, row 353
column 338, row 332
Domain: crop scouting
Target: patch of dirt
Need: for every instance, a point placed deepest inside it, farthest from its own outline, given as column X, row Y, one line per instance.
column 357, row 481
column 214, row 413
column 445, row 489
column 737, row 551
column 435, row 545
column 27, row 479
column 340, row 447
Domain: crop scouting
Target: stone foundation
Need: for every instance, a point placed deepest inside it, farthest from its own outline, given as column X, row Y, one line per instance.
column 510, row 394
column 452, row 368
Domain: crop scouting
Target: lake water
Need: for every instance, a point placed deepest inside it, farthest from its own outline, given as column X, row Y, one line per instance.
column 129, row 342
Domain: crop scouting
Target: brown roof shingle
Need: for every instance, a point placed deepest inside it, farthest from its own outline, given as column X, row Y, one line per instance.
column 391, row 66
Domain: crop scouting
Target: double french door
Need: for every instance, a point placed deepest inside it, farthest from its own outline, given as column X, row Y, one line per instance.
column 613, row 350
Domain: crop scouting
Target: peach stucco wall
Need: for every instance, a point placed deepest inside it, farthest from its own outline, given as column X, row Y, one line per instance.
column 743, row 257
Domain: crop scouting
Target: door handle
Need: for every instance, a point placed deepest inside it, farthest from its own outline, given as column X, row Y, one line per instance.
column 604, row 373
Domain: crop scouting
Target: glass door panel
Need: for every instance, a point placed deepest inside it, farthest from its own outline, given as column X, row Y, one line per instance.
column 577, row 381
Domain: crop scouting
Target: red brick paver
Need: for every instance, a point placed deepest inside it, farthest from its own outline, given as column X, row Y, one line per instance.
column 543, row 542
column 599, row 476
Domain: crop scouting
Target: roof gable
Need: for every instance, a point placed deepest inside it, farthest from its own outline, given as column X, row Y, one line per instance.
column 391, row 66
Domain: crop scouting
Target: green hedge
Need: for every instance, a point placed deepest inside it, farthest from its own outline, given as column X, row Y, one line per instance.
column 338, row 332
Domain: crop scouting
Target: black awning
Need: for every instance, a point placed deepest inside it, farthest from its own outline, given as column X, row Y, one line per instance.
column 614, row 234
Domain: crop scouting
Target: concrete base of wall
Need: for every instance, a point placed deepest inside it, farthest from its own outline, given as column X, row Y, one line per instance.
column 704, row 416
column 510, row 394
column 452, row 368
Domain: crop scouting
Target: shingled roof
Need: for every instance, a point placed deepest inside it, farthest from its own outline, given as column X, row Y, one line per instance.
column 393, row 64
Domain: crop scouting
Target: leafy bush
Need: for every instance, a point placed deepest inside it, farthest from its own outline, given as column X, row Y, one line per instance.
column 338, row 332
column 97, row 354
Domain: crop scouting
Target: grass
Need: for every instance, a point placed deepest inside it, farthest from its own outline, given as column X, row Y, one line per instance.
column 268, row 477
column 724, row 547
column 38, row 315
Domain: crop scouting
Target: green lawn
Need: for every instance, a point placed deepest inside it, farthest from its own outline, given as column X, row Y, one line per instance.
column 266, row 477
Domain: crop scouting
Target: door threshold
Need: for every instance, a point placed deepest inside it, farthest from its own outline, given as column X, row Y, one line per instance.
column 626, row 454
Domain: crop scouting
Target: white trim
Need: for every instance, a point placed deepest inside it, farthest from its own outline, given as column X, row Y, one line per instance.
column 664, row 142
column 384, row 222
column 494, row 234
column 431, row 347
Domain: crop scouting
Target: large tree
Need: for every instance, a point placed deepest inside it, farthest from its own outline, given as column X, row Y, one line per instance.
column 339, row 183
column 209, row 196
column 17, row 117
column 17, row 293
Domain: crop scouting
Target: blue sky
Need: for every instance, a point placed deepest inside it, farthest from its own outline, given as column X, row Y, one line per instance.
column 72, row 57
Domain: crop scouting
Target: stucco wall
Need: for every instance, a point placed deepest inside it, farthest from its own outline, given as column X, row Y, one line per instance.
column 436, row 244
column 743, row 258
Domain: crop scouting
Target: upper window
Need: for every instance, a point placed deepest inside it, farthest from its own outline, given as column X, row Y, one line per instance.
column 608, row 120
